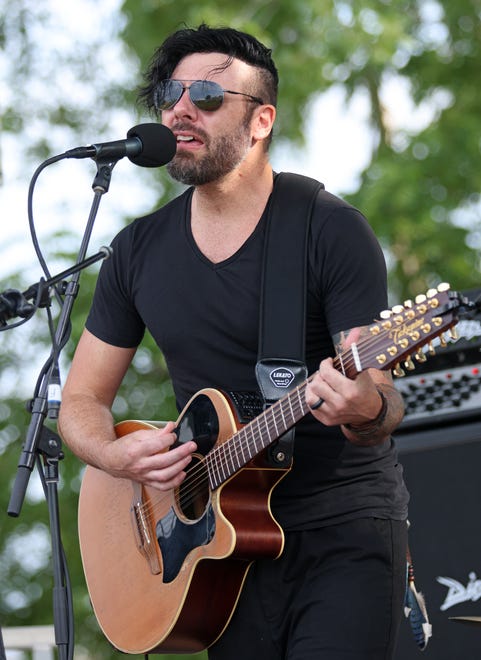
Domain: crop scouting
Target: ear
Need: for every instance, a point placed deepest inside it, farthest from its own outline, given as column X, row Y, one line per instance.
column 262, row 122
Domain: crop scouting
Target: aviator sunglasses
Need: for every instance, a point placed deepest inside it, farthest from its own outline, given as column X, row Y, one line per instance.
column 204, row 94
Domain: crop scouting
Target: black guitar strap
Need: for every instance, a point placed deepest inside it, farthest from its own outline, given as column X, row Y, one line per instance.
column 281, row 353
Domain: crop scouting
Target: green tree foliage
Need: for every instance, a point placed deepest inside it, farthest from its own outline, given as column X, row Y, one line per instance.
column 420, row 189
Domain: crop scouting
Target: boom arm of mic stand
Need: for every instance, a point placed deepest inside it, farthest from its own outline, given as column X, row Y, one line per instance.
column 39, row 406
column 13, row 303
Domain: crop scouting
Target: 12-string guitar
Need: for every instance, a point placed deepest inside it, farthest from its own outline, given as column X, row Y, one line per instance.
column 164, row 570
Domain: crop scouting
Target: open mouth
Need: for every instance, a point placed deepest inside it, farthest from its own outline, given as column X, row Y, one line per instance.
column 188, row 140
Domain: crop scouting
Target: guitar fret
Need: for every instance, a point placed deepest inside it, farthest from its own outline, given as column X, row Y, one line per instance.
column 302, row 400
column 279, row 422
column 211, row 470
column 283, row 418
column 229, row 457
column 222, row 464
column 234, row 450
column 259, row 435
column 216, row 466
column 219, row 465
column 277, row 434
column 292, row 412
column 244, row 459
column 239, row 454
column 268, row 413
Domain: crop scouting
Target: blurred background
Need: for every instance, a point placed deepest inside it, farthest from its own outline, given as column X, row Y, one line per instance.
column 378, row 99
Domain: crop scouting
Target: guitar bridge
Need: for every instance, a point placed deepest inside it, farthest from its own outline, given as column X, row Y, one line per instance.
column 146, row 541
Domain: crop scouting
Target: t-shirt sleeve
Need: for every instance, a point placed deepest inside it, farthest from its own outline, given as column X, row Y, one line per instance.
column 349, row 267
column 113, row 317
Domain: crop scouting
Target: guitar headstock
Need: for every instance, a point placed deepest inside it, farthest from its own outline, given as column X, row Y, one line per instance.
column 405, row 330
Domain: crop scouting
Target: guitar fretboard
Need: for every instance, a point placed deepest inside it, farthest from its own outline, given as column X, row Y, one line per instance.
column 226, row 459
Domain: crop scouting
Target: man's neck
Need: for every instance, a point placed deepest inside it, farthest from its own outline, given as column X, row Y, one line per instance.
column 225, row 213
column 236, row 194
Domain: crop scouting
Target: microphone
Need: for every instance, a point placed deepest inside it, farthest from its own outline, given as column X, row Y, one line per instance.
column 147, row 145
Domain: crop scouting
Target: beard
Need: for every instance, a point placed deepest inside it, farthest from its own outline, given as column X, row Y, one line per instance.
column 224, row 154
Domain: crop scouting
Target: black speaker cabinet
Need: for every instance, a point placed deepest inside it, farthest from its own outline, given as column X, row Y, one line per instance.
column 442, row 467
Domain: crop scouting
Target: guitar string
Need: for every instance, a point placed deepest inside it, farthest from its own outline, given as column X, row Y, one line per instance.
column 221, row 457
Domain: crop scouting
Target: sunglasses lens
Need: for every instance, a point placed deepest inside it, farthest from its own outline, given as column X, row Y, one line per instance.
column 167, row 94
column 206, row 94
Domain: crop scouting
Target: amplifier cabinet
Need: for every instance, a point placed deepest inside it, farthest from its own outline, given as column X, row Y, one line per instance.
column 442, row 468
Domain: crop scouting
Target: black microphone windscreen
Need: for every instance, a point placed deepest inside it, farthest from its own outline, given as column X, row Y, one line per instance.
column 158, row 144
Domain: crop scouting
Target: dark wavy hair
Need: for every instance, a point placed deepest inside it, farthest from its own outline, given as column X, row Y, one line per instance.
column 205, row 39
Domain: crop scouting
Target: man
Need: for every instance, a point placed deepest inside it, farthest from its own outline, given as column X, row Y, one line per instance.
column 190, row 274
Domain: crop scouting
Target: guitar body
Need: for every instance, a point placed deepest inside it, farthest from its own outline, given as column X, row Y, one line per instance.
column 164, row 570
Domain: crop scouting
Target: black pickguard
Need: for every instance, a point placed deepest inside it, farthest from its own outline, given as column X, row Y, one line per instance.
column 177, row 536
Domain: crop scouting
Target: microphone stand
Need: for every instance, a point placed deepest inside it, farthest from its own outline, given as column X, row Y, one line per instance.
column 42, row 441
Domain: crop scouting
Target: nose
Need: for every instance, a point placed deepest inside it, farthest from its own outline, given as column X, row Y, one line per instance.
column 184, row 106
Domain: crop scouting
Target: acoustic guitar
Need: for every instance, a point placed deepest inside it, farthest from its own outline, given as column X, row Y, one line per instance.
column 165, row 570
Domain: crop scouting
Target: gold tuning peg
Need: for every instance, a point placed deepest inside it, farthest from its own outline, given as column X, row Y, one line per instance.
column 409, row 364
column 420, row 356
column 431, row 348
column 453, row 333
column 442, row 341
column 398, row 371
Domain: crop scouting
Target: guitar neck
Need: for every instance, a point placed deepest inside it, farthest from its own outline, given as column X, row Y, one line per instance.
column 225, row 460
column 387, row 344
column 228, row 458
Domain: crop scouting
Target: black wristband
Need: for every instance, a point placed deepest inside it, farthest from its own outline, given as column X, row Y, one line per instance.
column 374, row 425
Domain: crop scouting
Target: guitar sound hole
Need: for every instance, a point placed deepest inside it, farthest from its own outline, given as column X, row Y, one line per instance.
column 193, row 494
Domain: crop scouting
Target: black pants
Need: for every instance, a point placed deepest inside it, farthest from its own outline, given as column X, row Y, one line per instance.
column 336, row 593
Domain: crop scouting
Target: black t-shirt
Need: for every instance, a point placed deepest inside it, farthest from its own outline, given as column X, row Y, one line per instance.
column 204, row 318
